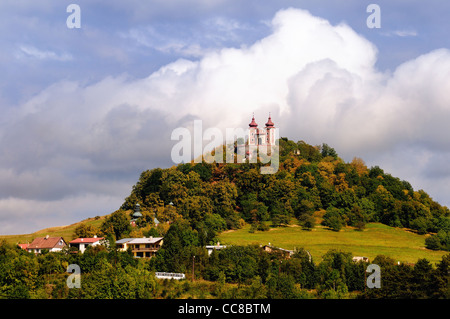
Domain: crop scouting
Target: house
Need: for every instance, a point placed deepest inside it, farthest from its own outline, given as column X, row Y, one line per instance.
column 122, row 244
column 52, row 244
column 210, row 248
column 23, row 246
column 83, row 243
column 141, row 247
column 284, row 252
column 358, row 259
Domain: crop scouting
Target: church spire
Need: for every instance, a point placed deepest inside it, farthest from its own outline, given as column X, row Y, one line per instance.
column 269, row 122
column 253, row 123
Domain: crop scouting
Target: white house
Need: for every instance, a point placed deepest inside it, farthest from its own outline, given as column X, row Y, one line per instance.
column 83, row 243
column 210, row 248
column 145, row 247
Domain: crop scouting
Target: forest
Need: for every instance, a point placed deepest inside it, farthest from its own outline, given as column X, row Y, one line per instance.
column 193, row 203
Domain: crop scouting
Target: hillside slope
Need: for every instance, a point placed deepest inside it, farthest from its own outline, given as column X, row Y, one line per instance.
column 66, row 232
column 311, row 181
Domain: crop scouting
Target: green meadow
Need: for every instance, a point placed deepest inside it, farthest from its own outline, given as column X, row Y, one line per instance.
column 376, row 239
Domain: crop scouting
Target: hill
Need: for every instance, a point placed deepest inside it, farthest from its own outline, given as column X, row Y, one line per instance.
column 67, row 232
column 217, row 197
column 313, row 188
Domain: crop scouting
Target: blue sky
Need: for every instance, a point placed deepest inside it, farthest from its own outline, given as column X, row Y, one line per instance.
column 84, row 111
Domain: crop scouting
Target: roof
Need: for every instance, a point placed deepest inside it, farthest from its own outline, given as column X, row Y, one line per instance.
column 23, row 246
column 47, row 243
column 215, row 246
column 86, row 240
column 269, row 122
column 124, row 240
column 137, row 214
column 253, row 123
column 145, row 240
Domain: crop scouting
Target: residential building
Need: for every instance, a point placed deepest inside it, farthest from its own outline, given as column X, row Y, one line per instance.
column 145, row 247
column 83, row 243
column 284, row 252
column 52, row 244
column 218, row 246
column 360, row 258
column 23, row 246
column 122, row 244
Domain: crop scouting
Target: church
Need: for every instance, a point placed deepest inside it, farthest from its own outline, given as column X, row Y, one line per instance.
column 261, row 136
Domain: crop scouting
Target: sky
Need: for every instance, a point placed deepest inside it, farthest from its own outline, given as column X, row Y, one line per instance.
column 85, row 110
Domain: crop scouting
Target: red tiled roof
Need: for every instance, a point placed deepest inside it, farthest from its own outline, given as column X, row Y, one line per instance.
column 46, row 243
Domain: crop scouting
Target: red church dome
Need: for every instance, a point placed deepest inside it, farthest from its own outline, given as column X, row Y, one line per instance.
column 253, row 123
column 269, row 122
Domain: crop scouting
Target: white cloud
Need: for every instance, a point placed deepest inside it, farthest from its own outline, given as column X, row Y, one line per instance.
column 28, row 51
column 318, row 80
column 401, row 33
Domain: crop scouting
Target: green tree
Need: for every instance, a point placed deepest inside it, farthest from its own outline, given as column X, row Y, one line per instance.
column 85, row 231
column 328, row 151
column 175, row 253
column 117, row 224
column 333, row 218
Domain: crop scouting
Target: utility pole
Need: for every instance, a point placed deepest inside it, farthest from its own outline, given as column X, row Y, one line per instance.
column 193, row 272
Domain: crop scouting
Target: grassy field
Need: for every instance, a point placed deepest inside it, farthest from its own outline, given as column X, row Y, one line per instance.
column 66, row 232
column 375, row 239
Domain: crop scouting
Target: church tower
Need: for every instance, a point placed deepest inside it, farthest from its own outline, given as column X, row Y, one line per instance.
column 270, row 132
column 261, row 137
column 253, row 132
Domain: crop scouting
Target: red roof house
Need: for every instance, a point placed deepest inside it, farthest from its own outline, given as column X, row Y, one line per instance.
column 50, row 243
column 83, row 243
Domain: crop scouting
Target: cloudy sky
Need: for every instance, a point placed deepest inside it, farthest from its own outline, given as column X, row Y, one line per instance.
column 85, row 110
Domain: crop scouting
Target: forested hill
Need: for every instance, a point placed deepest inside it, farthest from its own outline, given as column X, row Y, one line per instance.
column 311, row 181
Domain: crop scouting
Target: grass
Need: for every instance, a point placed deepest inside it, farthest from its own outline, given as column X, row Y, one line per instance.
column 375, row 239
column 67, row 232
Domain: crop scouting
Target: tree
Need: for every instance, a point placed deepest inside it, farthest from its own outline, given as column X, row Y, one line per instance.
column 117, row 224
column 174, row 255
column 195, row 208
column 85, row 231
column 359, row 165
column 441, row 279
column 328, row 151
column 433, row 243
column 333, row 218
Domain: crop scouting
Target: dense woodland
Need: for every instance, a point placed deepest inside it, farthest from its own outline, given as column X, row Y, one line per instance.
column 195, row 202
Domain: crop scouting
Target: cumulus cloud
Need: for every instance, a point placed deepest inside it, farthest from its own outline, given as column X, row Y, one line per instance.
column 319, row 81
